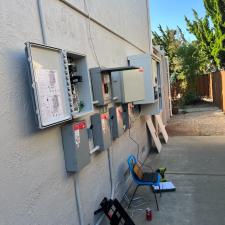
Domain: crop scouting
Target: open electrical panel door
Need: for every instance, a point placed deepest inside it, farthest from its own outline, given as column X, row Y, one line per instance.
column 60, row 84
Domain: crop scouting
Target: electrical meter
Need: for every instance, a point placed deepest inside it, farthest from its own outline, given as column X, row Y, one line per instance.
column 76, row 146
column 60, row 84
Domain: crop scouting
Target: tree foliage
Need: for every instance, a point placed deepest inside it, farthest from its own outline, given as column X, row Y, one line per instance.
column 200, row 27
column 211, row 39
column 169, row 40
column 186, row 60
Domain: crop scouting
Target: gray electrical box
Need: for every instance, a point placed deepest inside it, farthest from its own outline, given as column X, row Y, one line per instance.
column 101, row 131
column 128, row 86
column 76, row 146
column 156, row 106
column 116, row 121
column 101, row 86
column 60, row 84
column 150, row 76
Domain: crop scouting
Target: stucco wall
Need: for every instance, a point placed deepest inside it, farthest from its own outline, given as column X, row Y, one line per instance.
column 35, row 188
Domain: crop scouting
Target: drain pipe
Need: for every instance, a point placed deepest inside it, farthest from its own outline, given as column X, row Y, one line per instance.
column 77, row 196
column 42, row 21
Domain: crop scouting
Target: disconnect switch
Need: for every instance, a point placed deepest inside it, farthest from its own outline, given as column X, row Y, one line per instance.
column 101, row 130
column 116, row 121
column 76, row 146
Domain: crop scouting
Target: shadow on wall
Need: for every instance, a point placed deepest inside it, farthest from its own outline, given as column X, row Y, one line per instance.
column 25, row 113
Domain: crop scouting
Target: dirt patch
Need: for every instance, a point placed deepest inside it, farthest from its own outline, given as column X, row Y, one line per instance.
column 198, row 121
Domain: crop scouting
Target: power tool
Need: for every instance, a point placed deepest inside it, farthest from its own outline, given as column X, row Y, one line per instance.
column 162, row 171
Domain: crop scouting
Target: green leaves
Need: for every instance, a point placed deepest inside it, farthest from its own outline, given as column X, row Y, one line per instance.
column 211, row 39
column 169, row 40
column 187, row 61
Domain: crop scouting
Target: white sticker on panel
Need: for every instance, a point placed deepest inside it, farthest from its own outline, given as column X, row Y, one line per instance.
column 49, row 96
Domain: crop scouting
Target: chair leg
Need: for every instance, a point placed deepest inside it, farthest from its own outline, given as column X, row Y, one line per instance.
column 160, row 191
column 133, row 196
column 156, row 200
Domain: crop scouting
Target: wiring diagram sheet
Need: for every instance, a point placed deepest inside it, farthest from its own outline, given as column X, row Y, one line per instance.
column 49, row 96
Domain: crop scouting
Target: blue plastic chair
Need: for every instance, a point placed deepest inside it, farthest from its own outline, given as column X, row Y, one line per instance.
column 131, row 162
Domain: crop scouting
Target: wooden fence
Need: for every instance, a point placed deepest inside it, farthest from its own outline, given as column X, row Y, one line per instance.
column 204, row 86
column 213, row 86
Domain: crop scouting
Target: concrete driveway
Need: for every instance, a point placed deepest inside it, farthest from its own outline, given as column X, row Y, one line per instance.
column 196, row 165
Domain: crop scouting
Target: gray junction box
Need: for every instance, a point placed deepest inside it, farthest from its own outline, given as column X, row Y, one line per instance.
column 101, row 131
column 60, row 84
column 101, row 86
column 116, row 121
column 128, row 86
column 150, row 77
column 75, row 146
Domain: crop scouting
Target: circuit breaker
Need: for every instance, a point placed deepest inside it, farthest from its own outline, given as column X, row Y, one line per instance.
column 60, row 84
column 101, row 86
column 101, row 130
column 75, row 146
column 150, row 67
column 128, row 85
column 116, row 121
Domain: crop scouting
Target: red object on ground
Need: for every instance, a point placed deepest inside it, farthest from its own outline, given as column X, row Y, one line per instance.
column 148, row 214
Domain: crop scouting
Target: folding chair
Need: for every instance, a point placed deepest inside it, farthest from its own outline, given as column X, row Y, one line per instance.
column 143, row 179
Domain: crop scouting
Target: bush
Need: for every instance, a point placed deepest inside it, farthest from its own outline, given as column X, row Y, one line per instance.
column 189, row 98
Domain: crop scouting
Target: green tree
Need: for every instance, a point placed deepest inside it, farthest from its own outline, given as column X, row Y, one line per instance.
column 216, row 10
column 211, row 40
column 205, row 36
column 190, row 67
column 169, row 40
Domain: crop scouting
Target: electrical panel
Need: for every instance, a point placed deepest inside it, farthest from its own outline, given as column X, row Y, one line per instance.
column 101, row 130
column 150, row 67
column 156, row 107
column 116, row 121
column 101, row 86
column 60, row 84
column 128, row 85
column 76, row 146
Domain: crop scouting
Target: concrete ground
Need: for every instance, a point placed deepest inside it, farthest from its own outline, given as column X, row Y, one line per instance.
column 196, row 166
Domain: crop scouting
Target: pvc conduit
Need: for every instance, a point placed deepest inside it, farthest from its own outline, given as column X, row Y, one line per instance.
column 77, row 195
column 42, row 21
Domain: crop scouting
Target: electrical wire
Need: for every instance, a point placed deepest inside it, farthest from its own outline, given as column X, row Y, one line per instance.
column 129, row 133
column 91, row 42
column 138, row 146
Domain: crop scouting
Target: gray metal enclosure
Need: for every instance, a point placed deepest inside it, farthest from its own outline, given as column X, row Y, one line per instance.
column 33, row 181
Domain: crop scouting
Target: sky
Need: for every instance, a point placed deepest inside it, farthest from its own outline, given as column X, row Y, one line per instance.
column 171, row 13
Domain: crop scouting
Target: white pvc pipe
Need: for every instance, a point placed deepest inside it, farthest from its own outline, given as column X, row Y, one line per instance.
column 78, row 201
column 42, row 21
